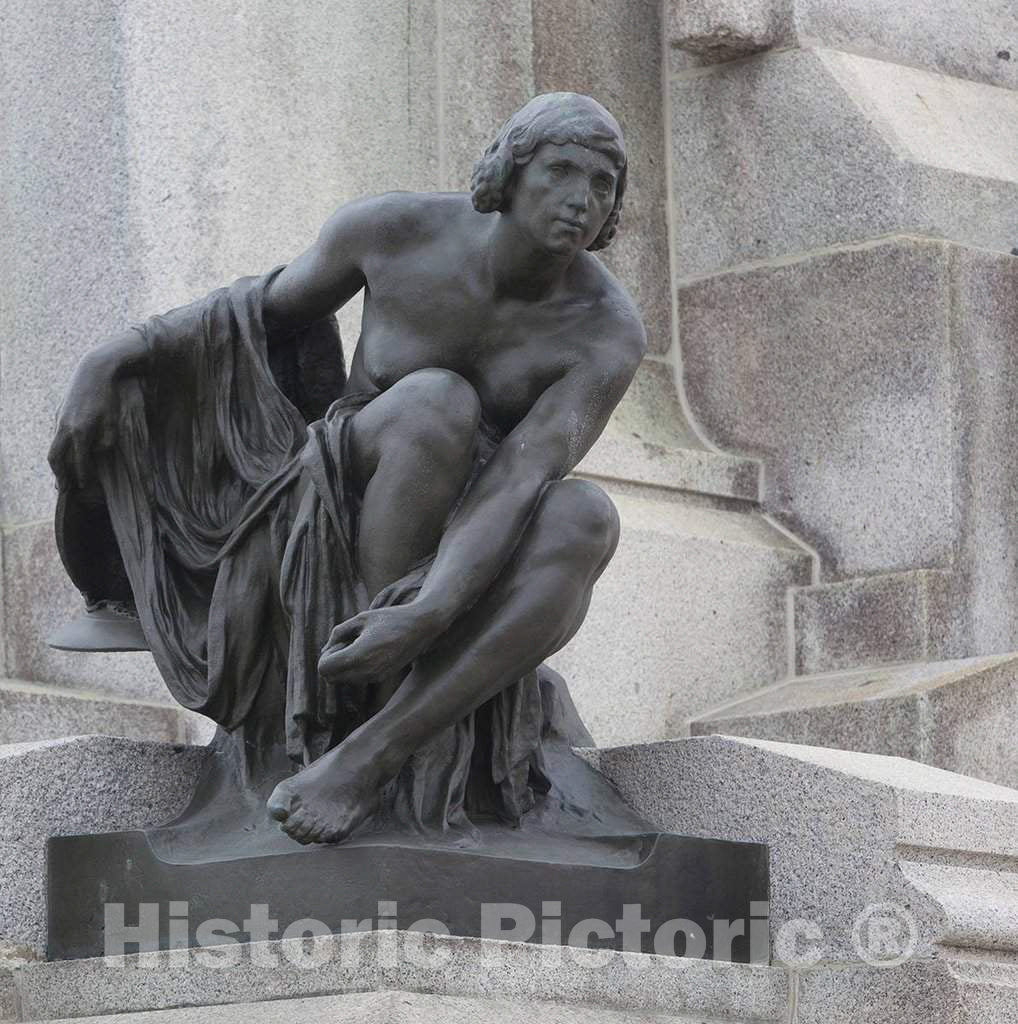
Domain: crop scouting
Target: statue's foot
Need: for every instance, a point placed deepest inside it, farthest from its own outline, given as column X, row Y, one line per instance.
column 326, row 801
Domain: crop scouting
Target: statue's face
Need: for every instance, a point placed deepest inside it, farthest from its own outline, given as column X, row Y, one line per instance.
column 563, row 196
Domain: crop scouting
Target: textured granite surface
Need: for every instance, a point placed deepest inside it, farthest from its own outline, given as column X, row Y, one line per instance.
column 67, row 787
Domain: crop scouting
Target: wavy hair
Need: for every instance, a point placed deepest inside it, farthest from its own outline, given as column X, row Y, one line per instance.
column 558, row 117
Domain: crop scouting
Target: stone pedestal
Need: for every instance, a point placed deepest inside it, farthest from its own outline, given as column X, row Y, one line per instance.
column 893, row 901
column 66, row 787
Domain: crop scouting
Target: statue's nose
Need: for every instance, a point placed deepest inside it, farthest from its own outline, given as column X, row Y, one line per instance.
column 578, row 200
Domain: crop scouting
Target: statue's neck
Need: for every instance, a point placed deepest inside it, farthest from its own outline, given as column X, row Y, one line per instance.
column 518, row 267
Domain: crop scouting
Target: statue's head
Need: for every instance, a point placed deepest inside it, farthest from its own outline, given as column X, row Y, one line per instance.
column 560, row 118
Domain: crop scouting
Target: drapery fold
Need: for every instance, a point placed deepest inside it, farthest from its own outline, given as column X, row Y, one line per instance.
column 230, row 498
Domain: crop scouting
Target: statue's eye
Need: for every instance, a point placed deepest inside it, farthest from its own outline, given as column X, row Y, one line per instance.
column 558, row 171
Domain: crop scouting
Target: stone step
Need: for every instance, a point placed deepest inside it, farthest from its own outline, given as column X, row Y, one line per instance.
column 954, row 990
column 950, row 990
column 872, row 620
column 388, row 1008
column 957, row 715
column 849, row 834
column 375, row 961
column 35, row 711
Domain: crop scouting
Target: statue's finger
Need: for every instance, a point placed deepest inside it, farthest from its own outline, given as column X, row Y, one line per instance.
column 331, row 663
column 345, row 632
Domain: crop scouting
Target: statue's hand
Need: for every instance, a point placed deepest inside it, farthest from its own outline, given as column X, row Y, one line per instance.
column 86, row 424
column 374, row 644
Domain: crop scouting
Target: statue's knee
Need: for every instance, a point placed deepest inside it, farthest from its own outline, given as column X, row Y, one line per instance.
column 581, row 519
column 444, row 407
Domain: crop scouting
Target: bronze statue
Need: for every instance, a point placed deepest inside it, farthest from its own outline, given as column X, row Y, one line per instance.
column 362, row 575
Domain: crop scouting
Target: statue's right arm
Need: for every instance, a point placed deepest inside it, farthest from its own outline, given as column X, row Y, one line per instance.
column 318, row 282
column 328, row 274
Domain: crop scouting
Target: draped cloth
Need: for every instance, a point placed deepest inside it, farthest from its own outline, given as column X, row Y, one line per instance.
column 232, row 508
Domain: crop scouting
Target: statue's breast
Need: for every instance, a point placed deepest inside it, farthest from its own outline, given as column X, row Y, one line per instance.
column 510, row 351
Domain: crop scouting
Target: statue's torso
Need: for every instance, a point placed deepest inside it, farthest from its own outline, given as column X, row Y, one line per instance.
column 430, row 306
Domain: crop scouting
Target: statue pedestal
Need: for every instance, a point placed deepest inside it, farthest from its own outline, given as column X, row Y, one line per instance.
column 696, row 896
column 353, row 977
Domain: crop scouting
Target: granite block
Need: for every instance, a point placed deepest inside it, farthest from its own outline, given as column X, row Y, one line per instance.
column 8, row 1009
column 983, row 38
column 985, row 423
column 38, row 598
column 798, row 150
column 79, row 785
column 954, row 991
column 649, row 441
column 835, row 371
column 341, row 110
column 612, row 51
column 955, row 715
column 715, row 32
column 31, row 712
column 690, row 611
column 67, row 280
column 389, row 1008
column 842, row 828
column 397, row 961
column 872, row 620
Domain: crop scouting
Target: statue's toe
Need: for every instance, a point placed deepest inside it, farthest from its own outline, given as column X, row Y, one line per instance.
column 280, row 803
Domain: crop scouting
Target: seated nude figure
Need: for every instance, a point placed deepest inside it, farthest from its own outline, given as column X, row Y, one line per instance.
column 494, row 347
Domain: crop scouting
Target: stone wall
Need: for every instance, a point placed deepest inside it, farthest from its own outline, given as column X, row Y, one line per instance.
column 812, row 467
column 155, row 151
column 845, row 202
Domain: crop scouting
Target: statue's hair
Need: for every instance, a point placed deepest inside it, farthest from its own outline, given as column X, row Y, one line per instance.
column 558, row 117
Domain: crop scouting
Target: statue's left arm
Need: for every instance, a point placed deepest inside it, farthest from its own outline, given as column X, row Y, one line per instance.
column 547, row 444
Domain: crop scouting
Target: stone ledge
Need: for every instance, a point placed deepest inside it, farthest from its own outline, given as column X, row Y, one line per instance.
column 405, row 961
column 951, row 991
column 32, row 711
column 872, row 620
column 390, row 1008
column 845, row 831
column 955, row 715
column 983, row 37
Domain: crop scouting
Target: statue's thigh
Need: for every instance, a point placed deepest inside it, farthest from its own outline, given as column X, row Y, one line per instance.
column 433, row 410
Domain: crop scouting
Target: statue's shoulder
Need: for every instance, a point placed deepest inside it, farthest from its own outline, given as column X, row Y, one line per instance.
column 396, row 220
column 610, row 306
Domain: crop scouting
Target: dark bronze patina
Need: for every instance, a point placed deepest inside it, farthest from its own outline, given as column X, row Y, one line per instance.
column 359, row 577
